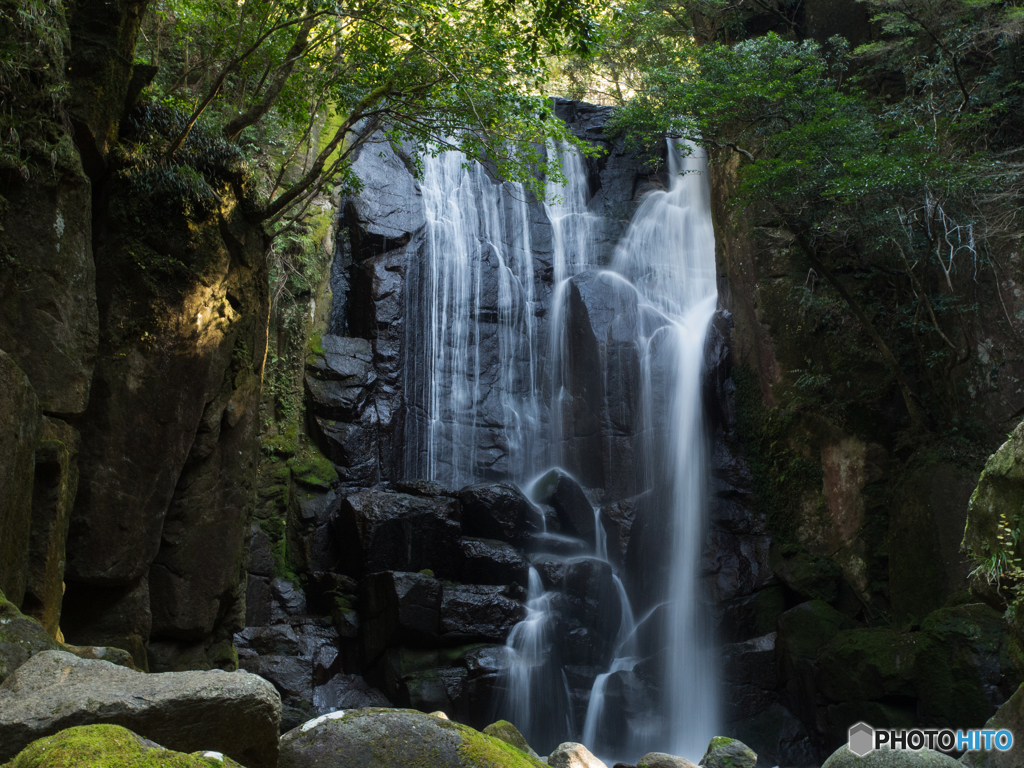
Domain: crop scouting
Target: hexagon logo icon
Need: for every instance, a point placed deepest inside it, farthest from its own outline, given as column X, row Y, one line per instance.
column 862, row 739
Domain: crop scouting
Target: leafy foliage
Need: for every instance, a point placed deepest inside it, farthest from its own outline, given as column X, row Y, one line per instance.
column 902, row 155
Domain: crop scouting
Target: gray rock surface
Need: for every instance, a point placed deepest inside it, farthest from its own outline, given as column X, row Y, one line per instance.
column 231, row 712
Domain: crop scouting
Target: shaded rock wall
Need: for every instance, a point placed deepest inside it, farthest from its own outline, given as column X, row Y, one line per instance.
column 865, row 518
column 133, row 331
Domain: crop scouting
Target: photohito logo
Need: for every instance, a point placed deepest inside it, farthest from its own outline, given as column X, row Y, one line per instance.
column 865, row 739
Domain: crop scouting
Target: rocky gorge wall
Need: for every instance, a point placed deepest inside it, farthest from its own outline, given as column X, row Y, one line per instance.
column 133, row 334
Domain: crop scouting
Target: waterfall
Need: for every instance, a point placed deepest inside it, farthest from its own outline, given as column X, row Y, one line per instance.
column 473, row 406
column 668, row 253
column 476, row 387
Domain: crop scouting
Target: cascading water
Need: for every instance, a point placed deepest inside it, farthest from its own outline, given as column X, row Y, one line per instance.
column 475, row 227
column 669, row 255
column 472, row 411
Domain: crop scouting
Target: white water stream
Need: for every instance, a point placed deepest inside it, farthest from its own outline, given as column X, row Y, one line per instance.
column 667, row 256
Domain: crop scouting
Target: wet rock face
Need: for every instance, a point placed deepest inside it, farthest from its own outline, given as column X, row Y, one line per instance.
column 497, row 511
column 379, row 530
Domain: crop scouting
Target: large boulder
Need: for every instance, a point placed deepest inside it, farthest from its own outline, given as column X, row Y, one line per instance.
column 96, row 745
column 378, row 530
column 385, row 738
column 885, row 758
column 231, row 712
column 341, row 375
column 724, row 752
column 497, row 511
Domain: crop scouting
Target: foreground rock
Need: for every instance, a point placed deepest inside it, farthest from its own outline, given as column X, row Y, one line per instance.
column 1010, row 716
column 724, row 752
column 22, row 637
column 104, row 745
column 884, row 758
column 573, row 755
column 235, row 713
column 384, row 738
column 663, row 760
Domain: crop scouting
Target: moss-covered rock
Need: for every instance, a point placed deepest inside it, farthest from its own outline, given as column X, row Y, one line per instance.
column 508, row 733
column 884, row 758
column 724, row 752
column 864, row 664
column 386, row 738
column 997, row 503
column 962, row 670
column 109, row 746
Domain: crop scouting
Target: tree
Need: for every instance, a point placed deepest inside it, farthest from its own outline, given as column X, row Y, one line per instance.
column 319, row 77
column 904, row 147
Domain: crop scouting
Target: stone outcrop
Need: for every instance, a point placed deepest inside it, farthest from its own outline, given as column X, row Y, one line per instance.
column 231, row 712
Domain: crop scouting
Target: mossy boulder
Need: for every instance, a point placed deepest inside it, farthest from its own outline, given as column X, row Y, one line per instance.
column 508, row 733
column 109, row 746
column 884, row 758
column 724, row 752
column 385, row 738
column 997, row 501
column 962, row 669
column 867, row 664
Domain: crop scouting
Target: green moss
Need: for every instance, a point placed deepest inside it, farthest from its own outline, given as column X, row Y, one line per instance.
column 312, row 468
column 782, row 477
column 282, row 444
column 483, row 750
column 105, row 746
column 720, row 741
column 508, row 733
column 427, row 572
